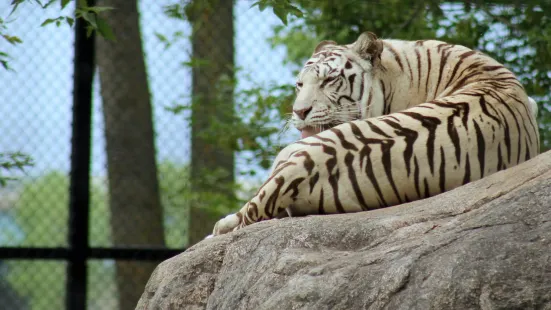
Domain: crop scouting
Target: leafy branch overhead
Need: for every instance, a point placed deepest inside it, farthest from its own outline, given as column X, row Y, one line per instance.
column 90, row 14
column 13, row 40
column 514, row 33
column 281, row 8
column 12, row 161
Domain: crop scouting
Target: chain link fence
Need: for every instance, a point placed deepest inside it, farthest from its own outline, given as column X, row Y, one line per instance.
column 157, row 67
column 36, row 103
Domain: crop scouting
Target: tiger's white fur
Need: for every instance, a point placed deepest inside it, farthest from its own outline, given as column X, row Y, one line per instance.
column 386, row 122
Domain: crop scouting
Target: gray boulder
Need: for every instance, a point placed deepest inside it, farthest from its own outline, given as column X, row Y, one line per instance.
column 485, row 245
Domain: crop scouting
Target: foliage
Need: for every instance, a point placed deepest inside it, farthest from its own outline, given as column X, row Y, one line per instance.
column 90, row 14
column 42, row 214
column 343, row 21
column 13, row 40
column 281, row 8
column 10, row 161
column 254, row 133
column 252, row 128
column 518, row 35
column 255, row 130
column 175, row 195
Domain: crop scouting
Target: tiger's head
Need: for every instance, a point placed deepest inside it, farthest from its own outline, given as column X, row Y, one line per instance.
column 331, row 87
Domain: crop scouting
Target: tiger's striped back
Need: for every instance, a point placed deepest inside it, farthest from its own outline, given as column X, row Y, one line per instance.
column 386, row 122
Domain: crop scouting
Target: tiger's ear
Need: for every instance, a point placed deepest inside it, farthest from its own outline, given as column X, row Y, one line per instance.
column 368, row 46
column 322, row 44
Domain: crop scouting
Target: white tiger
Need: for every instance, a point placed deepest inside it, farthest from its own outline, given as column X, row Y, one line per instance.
column 385, row 122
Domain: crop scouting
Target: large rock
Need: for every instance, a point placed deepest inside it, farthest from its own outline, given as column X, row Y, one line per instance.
column 485, row 245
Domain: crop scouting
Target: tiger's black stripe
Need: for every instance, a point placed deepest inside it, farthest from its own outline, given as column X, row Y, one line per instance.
column 430, row 123
column 348, row 159
column 481, row 143
column 365, row 154
column 410, row 136
column 386, row 147
column 331, row 163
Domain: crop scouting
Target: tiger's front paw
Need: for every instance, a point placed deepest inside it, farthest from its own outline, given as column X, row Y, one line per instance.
column 226, row 225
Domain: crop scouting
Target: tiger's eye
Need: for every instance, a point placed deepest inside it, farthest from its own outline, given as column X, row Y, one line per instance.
column 299, row 84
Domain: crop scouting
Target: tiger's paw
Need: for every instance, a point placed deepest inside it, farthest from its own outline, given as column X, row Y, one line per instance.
column 226, row 225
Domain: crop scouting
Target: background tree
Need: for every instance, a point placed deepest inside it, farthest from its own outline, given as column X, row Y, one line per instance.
column 136, row 214
column 212, row 157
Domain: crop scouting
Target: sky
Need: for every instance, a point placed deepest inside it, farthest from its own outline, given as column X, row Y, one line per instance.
column 36, row 99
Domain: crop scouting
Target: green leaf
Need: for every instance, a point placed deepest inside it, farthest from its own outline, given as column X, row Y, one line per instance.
column 174, row 11
column 48, row 4
column 261, row 5
column 161, row 37
column 195, row 63
column 281, row 13
column 70, row 21
column 105, row 30
column 90, row 18
column 12, row 39
column 47, row 21
column 5, row 64
column 293, row 10
column 89, row 31
column 99, row 9
column 64, row 3
column 177, row 108
column 15, row 4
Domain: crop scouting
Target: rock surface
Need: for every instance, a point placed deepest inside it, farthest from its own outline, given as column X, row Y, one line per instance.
column 485, row 245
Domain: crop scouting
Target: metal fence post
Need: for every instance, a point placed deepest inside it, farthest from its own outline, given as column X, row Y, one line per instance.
column 78, row 252
column 79, row 192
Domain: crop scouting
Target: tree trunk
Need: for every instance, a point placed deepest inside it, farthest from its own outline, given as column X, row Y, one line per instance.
column 136, row 214
column 212, row 45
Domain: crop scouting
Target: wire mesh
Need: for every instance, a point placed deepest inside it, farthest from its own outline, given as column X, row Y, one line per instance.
column 37, row 122
column 33, row 284
column 148, row 74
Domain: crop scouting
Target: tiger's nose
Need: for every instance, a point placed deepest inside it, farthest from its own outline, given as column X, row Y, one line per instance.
column 303, row 112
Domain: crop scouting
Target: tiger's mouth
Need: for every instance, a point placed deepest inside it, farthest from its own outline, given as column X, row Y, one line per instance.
column 309, row 131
